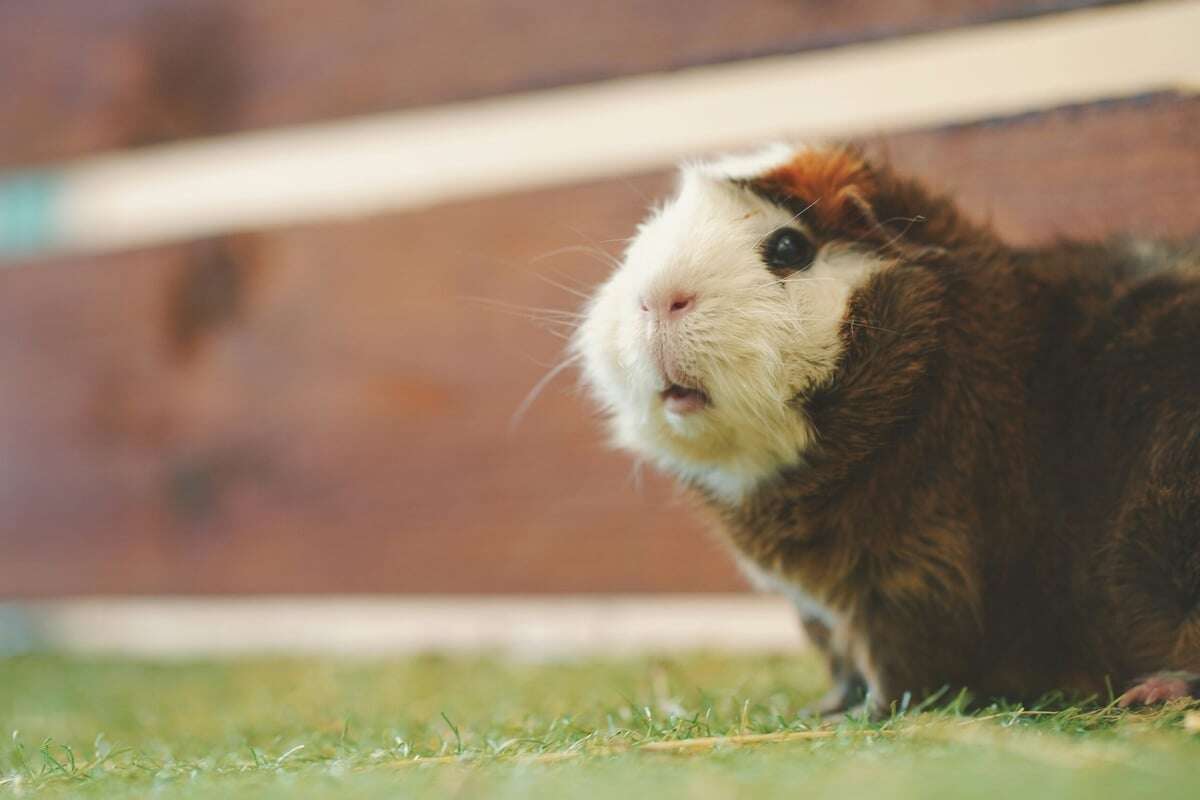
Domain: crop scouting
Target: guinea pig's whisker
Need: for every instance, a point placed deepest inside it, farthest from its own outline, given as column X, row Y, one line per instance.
column 581, row 285
column 596, row 249
column 533, row 311
column 548, row 324
column 621, row 240
column 909, row 222
column 560, row 324
column 898, row 236
column 539, row 387
column 600, row 255
column 633, row 187
column 565, row 288
column 802, row 278
column 854, row 322
column 793, row 218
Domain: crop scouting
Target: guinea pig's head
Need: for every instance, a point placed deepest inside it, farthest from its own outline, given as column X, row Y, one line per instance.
column 727, row 310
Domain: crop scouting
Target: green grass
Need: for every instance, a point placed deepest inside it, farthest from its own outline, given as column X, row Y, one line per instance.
column 486, row 727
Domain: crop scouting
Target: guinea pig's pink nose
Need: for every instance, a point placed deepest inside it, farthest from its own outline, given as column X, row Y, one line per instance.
column 666, row 306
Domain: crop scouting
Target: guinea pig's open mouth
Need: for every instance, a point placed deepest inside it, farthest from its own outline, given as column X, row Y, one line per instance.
column 683, row 399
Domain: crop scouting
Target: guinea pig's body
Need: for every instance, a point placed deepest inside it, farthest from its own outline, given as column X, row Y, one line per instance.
column 971, row 465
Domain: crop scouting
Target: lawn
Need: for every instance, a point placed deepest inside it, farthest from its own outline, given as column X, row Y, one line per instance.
column 490, row 727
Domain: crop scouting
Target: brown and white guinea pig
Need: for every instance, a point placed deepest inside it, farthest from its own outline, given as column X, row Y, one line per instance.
column 969, row 464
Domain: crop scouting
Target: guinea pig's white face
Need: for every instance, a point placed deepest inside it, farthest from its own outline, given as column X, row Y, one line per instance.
column 697, row 345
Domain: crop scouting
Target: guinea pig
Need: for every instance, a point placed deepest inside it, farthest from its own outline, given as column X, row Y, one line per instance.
column 970, row 465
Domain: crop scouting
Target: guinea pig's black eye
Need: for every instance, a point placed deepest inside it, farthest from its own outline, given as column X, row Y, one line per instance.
column 788, row 249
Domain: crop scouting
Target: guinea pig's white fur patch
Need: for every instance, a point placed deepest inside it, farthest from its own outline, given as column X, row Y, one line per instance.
column 752, row 340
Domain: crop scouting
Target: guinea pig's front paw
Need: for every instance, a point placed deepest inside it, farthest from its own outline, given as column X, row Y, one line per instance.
column 859, row 711
column 1161, row 687
column 844, row 695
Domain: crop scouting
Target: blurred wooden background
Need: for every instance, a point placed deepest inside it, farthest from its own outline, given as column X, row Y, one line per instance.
column 328, row 407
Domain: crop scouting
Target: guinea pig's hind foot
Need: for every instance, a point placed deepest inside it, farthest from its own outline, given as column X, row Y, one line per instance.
column 1161, row 687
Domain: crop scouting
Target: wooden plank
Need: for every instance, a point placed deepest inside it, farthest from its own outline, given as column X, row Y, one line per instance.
column 336, row 418
column 328, row 408
column 80, row 76
column 1129, row 166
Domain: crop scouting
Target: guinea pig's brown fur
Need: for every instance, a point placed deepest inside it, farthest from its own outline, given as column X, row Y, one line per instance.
column 1002, row 491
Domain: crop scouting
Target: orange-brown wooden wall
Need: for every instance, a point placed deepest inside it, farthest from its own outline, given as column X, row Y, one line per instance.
column 328, row 408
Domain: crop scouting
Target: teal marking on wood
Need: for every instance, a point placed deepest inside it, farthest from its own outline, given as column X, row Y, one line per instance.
column 28, row 209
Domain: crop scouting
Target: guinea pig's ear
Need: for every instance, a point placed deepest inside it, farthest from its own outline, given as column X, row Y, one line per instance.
column 833, row 185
